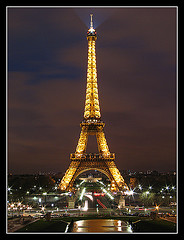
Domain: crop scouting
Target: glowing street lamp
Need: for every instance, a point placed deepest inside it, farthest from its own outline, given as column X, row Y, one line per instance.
column 131, row 192
column 43, row 208
column 82, row 194
column 157, row 208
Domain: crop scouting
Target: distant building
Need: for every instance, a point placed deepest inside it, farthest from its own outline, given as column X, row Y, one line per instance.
column 133, row 182
column 148, row 172
column 90, row 178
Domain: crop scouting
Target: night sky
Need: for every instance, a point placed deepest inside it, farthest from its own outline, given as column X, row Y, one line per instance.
column 136, row 70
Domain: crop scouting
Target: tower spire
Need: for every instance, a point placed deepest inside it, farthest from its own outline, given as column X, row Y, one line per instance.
column 92, row 108
column 91, row 25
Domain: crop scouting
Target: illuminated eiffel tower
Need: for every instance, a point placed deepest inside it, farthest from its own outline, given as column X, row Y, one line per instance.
column 92, row 125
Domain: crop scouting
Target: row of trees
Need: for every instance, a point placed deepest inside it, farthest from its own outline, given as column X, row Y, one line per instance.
column 153, row 199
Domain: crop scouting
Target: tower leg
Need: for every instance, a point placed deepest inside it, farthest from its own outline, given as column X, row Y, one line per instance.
column 119, row 181
column 69, row 175
column 82, row 143
column 102, row 143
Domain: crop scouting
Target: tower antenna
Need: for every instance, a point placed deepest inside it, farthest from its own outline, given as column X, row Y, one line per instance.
column 91, row 20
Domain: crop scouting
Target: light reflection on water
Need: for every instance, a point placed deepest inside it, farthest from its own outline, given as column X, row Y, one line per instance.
column 101, row 225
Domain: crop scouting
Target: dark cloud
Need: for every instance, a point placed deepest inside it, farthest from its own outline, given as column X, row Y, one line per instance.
column 136, row 63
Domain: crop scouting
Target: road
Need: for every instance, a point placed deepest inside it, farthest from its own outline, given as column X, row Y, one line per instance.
column 170, row 219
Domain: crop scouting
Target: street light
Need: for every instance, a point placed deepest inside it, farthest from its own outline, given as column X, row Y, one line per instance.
column 43, row 208
column 157, row 208
column 45, row 194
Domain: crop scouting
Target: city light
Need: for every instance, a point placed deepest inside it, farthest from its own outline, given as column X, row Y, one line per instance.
column 43, row 208
column 82, row 194
column 101, row 182
column 157, row 207
column 111, row 197
column 130, row 192
column 82, row 182
column 99, row 194
column 85, row 208
column 89, row 196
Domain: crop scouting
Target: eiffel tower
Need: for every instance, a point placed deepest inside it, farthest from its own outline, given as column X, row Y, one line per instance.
column 92, row 125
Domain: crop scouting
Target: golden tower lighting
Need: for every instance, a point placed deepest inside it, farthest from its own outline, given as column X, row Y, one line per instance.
column 92, row 125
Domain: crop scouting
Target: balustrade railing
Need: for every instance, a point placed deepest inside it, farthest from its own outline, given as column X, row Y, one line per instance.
column 92, row 156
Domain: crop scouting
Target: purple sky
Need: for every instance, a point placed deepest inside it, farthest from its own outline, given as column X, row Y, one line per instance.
column 136, row 69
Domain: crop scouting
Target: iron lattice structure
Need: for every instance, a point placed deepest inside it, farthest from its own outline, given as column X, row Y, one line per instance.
column 92, row 125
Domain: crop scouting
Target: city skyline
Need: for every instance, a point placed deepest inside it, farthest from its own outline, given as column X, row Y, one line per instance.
column 136, row 69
